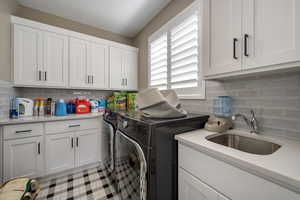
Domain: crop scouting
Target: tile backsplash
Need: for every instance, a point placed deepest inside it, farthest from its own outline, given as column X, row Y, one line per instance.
column 7, row 92
column 34, row 93
column 274, row 98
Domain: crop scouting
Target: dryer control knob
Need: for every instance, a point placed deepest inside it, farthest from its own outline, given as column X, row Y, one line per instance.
column 125, row 124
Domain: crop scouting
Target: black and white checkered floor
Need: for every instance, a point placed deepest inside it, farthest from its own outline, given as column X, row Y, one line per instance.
column 92, row 184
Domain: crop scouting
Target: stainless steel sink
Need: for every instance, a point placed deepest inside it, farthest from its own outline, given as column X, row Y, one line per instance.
column 245, row 144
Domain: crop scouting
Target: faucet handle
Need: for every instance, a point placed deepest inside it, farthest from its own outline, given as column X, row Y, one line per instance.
column 254, row 123
column 252, row 113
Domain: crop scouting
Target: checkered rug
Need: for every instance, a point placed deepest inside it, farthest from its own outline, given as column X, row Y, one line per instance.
column 90, row 184
column 127, row 178
column 93, row 184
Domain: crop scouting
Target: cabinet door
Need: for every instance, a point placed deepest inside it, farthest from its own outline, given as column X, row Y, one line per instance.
column 23, row 158
column 59, row 152
column 55, row 59
column 78, row 63
column 27, row 56
column 87, row 147
column 190, row 188
column 131, row 70
column 225, row 37
column 273, row 29
column 98, row 63
column 116, row 68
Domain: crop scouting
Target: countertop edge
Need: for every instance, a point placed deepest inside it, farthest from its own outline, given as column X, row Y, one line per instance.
column 41, row 119
column 264, row 173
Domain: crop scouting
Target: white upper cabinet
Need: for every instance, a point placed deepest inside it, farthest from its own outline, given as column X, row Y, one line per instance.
column 116, row 68
column 249, row 36
column 88, row 64
column 123, row 69
column 48, row 56
column 131, row 70
column 27, row 56
column 271, row 31
column 40, row 58
column 79, row 63
column 55, row 65
column 98, row 63
column 226, row 23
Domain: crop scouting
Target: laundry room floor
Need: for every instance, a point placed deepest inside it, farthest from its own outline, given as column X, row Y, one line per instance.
column 89, row 184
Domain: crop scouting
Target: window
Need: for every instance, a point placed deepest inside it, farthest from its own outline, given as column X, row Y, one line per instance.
column 174, row 55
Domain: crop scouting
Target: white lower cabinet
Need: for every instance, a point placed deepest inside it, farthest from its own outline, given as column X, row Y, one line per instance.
column 69, row 150
column 38, row 149
column 23, row 157
column 59, row 152
column 87, row 147
column 203, row 172
column 191, row 188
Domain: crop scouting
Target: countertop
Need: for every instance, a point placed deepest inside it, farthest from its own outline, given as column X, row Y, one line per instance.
column 36, row 119
column 281, row 167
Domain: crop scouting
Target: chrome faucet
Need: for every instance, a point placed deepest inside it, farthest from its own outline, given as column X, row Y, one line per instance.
column 251, row 122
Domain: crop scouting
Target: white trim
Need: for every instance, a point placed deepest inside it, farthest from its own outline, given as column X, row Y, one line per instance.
column 166, row 27
column 50, row 28
column 198, row 5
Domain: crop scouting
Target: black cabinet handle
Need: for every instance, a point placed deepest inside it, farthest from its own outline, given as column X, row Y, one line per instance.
column 23, row 132
column 72, row 143
column 77, row 141
column 45, row 76
column 39, row 148
column 246, row 37
column 234, row 48
column 72, row 126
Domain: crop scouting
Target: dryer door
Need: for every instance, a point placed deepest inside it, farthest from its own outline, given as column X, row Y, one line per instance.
column 107, row 151
column 130, row 168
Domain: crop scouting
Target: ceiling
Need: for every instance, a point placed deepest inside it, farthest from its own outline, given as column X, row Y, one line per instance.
column 124, row 17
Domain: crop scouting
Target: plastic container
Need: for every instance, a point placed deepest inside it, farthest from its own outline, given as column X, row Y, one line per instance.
column 71, row 107
column 223, row 106
column 102, row 106
column 61, row 108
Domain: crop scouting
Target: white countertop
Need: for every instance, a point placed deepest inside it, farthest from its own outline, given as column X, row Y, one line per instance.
column 35, row 119
column 281, row 167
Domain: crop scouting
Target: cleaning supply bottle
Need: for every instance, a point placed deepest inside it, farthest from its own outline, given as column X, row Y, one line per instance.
column 42, row 107
column 14, row 112
column 36, row 107
column 48, row 106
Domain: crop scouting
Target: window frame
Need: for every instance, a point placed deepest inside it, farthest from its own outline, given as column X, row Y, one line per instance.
column 166, row 29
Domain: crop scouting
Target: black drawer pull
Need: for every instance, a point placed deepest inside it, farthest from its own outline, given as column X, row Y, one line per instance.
column 77, row 141
column 246, row 37
column 23, row 132
column 72, row 126
column 72, row 143
column 39, row 148
column 234, row 48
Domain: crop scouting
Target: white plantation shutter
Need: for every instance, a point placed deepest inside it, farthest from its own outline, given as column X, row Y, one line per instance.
column 159, row 62
column 184, row 54
column 174, row 57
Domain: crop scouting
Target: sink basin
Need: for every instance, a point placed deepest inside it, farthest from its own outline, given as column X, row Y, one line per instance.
column 245, row 144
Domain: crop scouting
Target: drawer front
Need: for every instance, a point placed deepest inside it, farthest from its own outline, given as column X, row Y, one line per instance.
column 22, row 131
column 71, row 125
column 229, row 180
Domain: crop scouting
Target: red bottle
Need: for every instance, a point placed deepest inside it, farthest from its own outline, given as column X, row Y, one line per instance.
column 82, row 107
